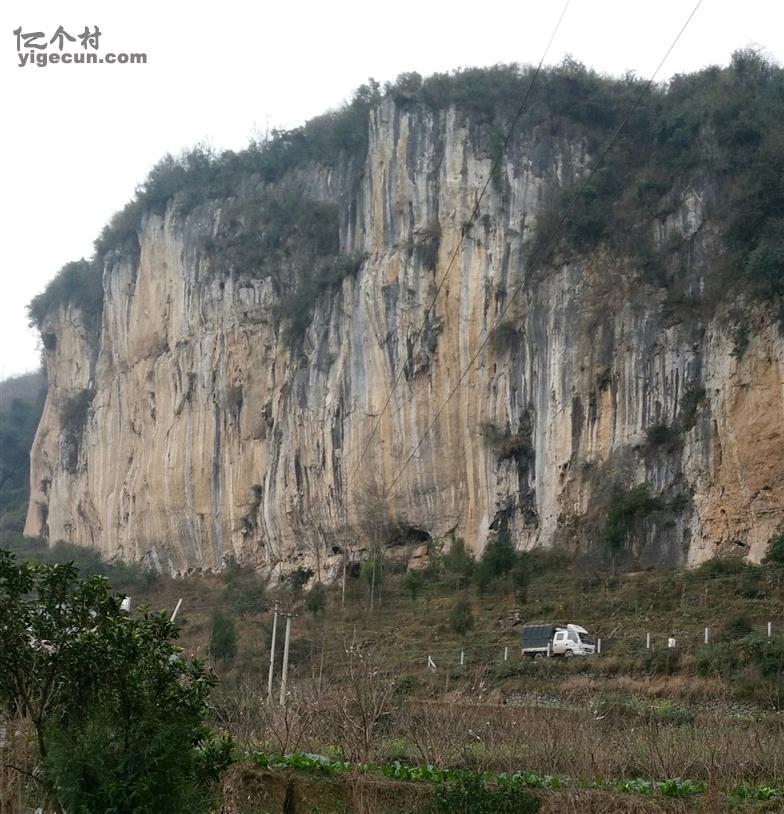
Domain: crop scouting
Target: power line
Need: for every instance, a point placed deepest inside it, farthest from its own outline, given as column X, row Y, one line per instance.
column 474, row 213
column 550, row 241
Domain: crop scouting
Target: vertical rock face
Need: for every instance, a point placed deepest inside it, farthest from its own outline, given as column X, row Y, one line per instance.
column 207, row 434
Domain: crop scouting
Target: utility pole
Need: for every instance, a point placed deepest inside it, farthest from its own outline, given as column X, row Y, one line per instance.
column 343, row 587
column 285, row 661
column 272, row 653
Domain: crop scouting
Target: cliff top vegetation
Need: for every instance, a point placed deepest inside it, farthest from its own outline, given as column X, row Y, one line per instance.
column 717, row 128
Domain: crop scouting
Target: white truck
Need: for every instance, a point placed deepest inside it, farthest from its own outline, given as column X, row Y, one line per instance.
column 539, row 641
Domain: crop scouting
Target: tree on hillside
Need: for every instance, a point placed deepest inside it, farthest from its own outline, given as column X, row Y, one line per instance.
column 459, row 562
column 118, row 713
column 497, row 560
column 223, row 637
column 18, row 421
column 461, row 619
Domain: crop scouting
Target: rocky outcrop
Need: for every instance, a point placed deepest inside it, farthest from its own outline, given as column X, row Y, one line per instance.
column 211, row 435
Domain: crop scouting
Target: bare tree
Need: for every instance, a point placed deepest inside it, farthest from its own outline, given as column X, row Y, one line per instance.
column 360, row 705
column 377, row 527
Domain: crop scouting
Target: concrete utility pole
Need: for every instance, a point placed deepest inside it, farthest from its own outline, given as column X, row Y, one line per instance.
column 285, row 661
column 272, row 653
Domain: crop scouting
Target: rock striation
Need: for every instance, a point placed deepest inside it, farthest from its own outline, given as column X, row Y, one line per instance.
column 193, row 425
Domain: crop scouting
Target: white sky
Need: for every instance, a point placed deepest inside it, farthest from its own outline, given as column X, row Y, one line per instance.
column 77, row 139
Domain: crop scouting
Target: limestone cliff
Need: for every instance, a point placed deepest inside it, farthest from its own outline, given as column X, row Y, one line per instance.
column 208, row 429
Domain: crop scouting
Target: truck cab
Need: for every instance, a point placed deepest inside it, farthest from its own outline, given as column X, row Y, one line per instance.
column 556, row 640
column 572, row 640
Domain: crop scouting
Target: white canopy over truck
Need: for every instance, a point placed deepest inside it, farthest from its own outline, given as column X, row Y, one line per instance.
column 557, row 640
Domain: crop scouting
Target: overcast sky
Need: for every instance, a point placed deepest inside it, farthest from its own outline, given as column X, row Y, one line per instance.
column 78, row 138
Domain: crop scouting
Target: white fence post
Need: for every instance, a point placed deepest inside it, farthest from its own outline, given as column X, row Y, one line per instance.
column 598, row 647
column 462, row 658
column 647, row 641
column 506, row 654
column 707, row 634
column 770, row 629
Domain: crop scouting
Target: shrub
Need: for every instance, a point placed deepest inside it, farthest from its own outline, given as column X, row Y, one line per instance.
column 506, row 444
column 667, row 712
column 664, row 436
column 718, row 567
column 625, row 510
column 776, row 550
column 461, row 619
column 690, row 403
column 223, row 637
column 498, row 559
column 297, row 307
column 459, row 562
column 472, row 795
column 243, row 591
column 79, row 284
column 118, row 712
column 413, row 583
column 298, row 579
column 739, row 333
column 718, row 659
column 316, row 601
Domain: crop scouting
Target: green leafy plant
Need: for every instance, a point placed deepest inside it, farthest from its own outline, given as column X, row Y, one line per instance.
column 223, row 637
column 461, row 619
column 775, row 552
column 459, row 562
column 413, row 584
column 472, row 795
column 316, row 600
column 625, row 510
column 119, row 715
column 497, row 560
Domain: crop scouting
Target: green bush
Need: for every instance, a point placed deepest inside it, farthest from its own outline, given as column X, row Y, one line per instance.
column 690, row 403
column 459, row 562
column 776, row 550
column 498, row 559
column 119, row 714
column 79, row 284
column 298, row 579
column 461, row 618
column 316, row 600
column 413, row 584
column 128, row 577
column 223, row 637
column 471, row 795
column 625, row 511
column 718, row 567
column 719, row 659
column 507, row 445
column 666, row 437
column 243, row 590
column 297, row 307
